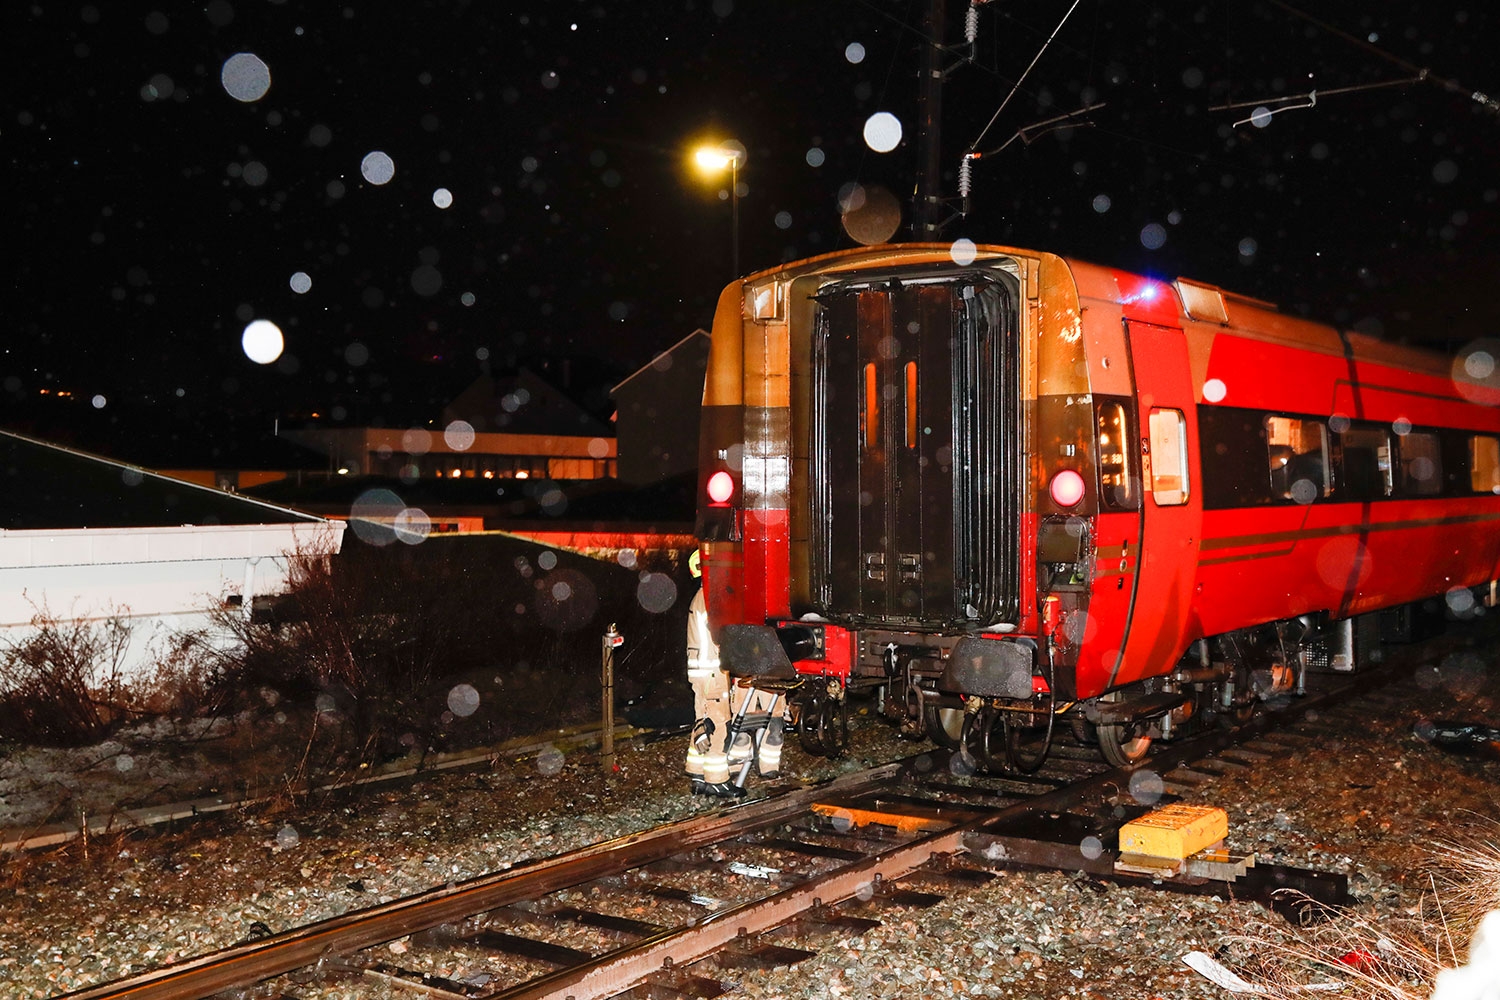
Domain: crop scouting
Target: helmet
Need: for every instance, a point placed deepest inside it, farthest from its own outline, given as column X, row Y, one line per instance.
column 694, row 566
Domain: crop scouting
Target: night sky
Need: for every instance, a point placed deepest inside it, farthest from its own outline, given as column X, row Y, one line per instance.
column 153, row 213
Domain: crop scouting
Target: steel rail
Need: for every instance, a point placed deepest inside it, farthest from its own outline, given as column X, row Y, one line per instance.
column 245, row 964
column 627, row 967
column 631, row 965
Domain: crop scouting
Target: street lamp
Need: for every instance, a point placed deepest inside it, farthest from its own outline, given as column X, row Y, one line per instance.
column 713, row 160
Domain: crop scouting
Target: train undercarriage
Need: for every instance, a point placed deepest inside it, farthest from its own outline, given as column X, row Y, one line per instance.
column 1220, row 681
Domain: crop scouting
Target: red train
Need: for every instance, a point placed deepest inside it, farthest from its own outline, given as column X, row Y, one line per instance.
column 1012, row 489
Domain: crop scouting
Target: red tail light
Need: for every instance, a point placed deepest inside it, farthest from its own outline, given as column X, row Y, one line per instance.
column 720, row 487
column 1067, row 488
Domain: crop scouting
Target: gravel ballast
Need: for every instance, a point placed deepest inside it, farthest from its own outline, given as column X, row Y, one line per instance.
column 1367, row 798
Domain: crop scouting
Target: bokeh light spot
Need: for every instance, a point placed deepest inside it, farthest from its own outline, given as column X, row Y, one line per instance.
column 882, row 132
column 1153, row 235
column 1146, row 787
column 262, row 341
column 412, row 526
column 245, row 77
column 372, row 515
column 656, row 592
column 463, row 700
column 377, row 168
column 459, row 435
column 550, row 760
column 1479, row 365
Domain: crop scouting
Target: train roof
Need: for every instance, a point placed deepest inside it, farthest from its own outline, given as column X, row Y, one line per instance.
column 1197, row 302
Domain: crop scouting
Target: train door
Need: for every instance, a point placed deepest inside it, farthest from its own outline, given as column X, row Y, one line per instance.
column 913, row 451
column 1160, row 607
column 1117, row 543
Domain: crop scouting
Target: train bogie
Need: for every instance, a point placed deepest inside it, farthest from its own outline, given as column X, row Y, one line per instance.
column 1014, row 487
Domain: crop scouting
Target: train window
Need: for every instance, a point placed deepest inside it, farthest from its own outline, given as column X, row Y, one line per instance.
column 1484, row 464
column 1228, row 435
column 1297, row 451
column 872, row 425
column 1118, row 489
column 1421, row 464
column 1169, row 460
column 1365, row 464
column 911, row 404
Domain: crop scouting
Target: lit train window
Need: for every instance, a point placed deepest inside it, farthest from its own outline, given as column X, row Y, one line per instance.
column 1421, row 464
column 1365, row 467
column 872, row 425
column 1484, row 464
column 911, row 404
column 1118, row 488
column 1169, row 460
column 1297, row 450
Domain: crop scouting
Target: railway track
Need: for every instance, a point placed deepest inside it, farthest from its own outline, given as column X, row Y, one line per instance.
column 632, row 916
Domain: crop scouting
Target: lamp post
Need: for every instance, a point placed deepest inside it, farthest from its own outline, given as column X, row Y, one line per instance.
column 713, row 159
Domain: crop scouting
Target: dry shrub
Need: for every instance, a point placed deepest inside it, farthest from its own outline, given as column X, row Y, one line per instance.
column 1467, row 880
column 1389, row 959
column 63, row 685
column 386, row 631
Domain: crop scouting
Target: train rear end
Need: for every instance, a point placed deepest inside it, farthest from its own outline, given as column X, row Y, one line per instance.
column 865, row 508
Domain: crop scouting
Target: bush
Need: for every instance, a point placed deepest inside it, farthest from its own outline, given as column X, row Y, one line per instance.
column 386, row 631
column 62, row 686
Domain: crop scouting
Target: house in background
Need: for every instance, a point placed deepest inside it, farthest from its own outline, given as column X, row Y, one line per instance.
column 657, row 413
column 84, row 538
column 518, row 427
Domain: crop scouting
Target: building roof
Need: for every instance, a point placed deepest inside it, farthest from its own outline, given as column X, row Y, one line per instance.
column 664, row 360
column 523, row 403
column 47, row 487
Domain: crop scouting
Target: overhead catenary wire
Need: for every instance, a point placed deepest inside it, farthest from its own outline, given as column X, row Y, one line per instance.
column 1037, row 58
column 1309, row 99
column 1422, row 73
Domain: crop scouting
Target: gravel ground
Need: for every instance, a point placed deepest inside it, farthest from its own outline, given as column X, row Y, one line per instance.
column 1369, row 799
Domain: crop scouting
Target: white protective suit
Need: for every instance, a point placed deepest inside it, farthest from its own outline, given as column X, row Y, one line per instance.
column 715, row 699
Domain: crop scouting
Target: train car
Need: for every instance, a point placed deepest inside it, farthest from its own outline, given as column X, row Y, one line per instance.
column 1014, row 490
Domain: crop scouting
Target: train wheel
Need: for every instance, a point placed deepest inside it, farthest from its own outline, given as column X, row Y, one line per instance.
column 833, row 727
column 809, row 732
column 944, row 726
column 1124, row 745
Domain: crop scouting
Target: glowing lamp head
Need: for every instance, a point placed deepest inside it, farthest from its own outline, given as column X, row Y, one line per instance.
column 1067, row 488
column 717, row 159
column 720, row 487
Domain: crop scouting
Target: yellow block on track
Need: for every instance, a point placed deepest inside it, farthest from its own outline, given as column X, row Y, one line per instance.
column 1175, row 831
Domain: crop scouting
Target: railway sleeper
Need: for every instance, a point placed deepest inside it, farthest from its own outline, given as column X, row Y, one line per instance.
column 672, row 984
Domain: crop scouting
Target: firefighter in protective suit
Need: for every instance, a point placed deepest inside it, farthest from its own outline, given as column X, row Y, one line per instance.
column 710, row 763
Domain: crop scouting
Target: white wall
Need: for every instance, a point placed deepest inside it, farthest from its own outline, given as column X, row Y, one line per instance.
column 161, row 581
